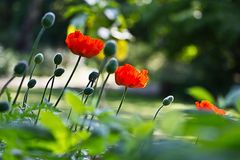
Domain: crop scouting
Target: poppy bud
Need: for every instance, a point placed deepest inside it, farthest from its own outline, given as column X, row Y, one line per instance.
column 58, row 72
column 110, row 48
column 88, row 90
column 31, row 83
column 4, row 106
column 58, row 58
column 168, row 100
column 20, row 68
column 93, row 76
column 38, row 59
column 112, row 65
column 48, row 20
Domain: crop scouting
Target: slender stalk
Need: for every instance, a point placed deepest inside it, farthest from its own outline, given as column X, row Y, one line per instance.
column 31, row 74
column 19, row 89
column 26, row 93
column 69, row 114
column 85, row 117
column 25, row 99
column 50, row 92
column 100, row 70
column 6, row 84
column 74, row 69
column 99, row 98
column 157, row 112
column 44, row 92
column 35, row 44
column 33, row 50
column 196, row 141
column 123, row 97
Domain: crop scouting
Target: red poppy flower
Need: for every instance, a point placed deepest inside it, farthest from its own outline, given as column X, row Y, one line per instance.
column 207, row 106
column 83, row 45
column 128, row 76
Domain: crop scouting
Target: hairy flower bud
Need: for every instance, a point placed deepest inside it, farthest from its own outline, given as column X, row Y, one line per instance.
column 4, row 106
column 93, row 76
column 38, row 58
column 31, row 83
column 88, row 90
column 168, row 100
column 58, row 58
column 58, row 72
column 110, row 48
column 20, row 68
column 48, row 20
column 112, row 65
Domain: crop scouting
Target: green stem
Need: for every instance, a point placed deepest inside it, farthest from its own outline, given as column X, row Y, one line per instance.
column 35, row 44
column 123, row 97
column 6, row 84
column 85, row 117
column 158, row 112
column 25, row 99
column 74, row 69
column 33, row 50
column 99, row 98
column 31, row 74
column 50, row 92
column 44, row 92
column 19, row 89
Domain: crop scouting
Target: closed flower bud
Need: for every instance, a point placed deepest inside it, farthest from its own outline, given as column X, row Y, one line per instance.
column 58, row 72
column 58, row 58
column 20, row 68
column 48, row 20
column 112, row 65
column 38, row 59
column 31, row 83
column 93, row 76
column 88, row 90
column 168, row 100
column 110, row 48
column 4, row 106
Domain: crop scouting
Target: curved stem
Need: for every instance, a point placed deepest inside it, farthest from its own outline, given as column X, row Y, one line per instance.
column 99, row 98
column 25, row 99
column 74, row 69
column 44, row 92
column 6, row 84
column 19, row 89
column 35, row 44
column 50, row 92
column 33, row 50
column 123, row 97
column 85, row 117
column 31, row 74
column 157, row 112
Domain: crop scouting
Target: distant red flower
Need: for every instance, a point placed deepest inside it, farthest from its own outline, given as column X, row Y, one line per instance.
column 128, row 76
column 207, row 106
column 83, row 45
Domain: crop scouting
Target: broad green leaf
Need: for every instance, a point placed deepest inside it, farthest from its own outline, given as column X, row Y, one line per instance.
column 78, row 108
column 200, row 93
column 143, row 129
column 60, row 132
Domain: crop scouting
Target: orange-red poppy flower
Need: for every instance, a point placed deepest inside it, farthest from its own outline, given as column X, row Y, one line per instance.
column 207, row 106
column 83, row 45
column 130, row 77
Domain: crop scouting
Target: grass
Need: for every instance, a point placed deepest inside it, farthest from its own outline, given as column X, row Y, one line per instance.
column 144, row 106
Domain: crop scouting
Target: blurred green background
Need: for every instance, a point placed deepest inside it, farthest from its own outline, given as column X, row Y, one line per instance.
column 183, row 43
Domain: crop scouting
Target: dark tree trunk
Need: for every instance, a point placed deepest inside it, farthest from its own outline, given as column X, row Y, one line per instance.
column 25, row 38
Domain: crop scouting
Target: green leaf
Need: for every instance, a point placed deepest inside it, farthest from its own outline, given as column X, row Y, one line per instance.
column 78, row 108
column 143, row 129
column 200, row 93
column 60, row 132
